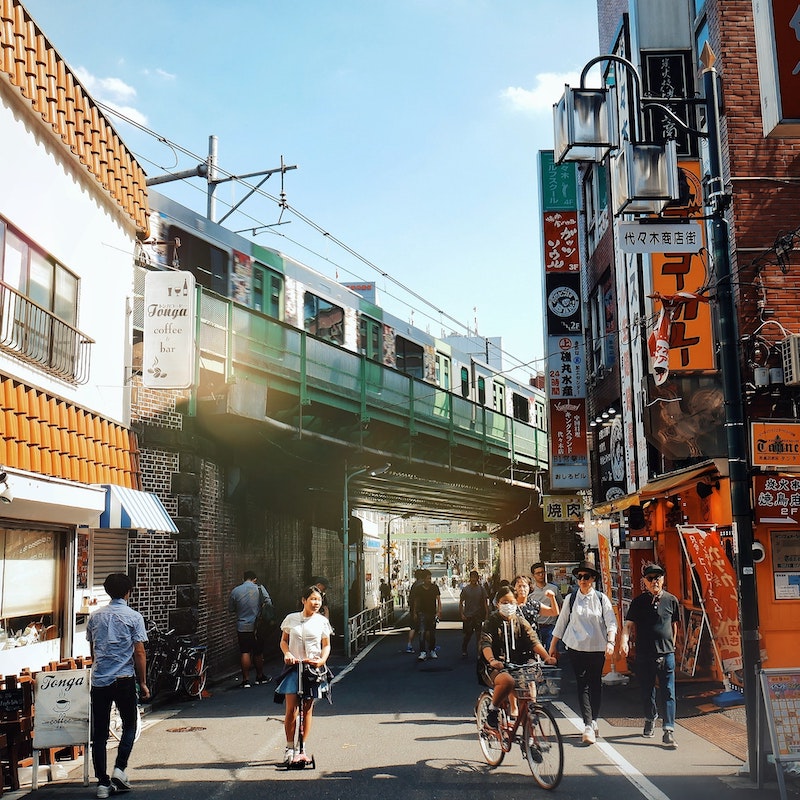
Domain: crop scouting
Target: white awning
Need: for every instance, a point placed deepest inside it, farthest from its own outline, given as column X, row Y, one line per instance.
column 130, row 508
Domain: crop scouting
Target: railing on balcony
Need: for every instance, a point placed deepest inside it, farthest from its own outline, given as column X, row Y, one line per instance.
column 237, row 341
column 37, row 336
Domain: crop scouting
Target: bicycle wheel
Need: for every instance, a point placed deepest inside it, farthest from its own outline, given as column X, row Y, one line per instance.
column 115, row 723
column 488, row 739
column 193, row 680
column 543, row 747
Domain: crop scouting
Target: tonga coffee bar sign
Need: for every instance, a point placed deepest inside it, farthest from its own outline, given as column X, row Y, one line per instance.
column 775, row 444
column 62, row 708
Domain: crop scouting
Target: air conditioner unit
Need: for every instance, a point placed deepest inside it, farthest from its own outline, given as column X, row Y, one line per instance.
column 790, row 355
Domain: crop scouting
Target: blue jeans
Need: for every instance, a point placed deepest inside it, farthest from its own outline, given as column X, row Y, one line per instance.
column 123, row 693
column 660, row 669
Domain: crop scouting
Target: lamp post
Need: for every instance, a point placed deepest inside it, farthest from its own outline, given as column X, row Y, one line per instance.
column 584, row 131
column 389, row 543
column 348, row 476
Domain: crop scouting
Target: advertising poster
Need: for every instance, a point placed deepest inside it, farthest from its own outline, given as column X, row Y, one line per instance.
column 563, row 304
column 62, row 708
column 718, row 590
column 566, row 367
column 781, row 689
column 569, row 459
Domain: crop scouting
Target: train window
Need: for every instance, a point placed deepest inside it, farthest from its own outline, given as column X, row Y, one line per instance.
column 267, row 291
column 443, row 371
column 482, row 391
column 521, row 407
column 464, row 382
column 369, row 338
column 499, row 397
column 409, row 357
column 208, row 264
column 323, row 319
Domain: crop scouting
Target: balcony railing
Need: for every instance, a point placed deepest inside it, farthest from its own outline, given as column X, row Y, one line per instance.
column 35, row 335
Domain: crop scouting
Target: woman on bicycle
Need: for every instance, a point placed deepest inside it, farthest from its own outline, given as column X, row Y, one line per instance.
column 507, row 638
column 306, row 638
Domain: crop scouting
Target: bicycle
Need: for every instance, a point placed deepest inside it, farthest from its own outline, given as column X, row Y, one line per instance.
column 175, row 664
column 534, row 729
column 115, row 723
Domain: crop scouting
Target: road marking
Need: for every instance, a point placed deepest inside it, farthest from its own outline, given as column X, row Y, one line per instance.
column 645, row 786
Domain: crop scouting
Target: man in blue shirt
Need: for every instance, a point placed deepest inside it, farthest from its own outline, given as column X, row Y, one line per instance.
column 245, row 601
column 116, row 635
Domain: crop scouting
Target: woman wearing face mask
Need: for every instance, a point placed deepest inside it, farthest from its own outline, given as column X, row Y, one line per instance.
column 507, row 638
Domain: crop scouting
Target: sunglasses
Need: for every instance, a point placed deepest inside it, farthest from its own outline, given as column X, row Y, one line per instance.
column 584, row 577
column 653, row 577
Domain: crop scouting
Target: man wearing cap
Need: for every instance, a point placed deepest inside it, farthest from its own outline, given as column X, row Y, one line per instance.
column 654, row 614
column 547, row 594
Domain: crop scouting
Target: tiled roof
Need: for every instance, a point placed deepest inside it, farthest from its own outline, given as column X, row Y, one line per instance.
column 31, row 64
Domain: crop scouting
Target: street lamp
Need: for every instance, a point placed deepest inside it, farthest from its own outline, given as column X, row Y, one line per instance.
column 348, row 476
column 389, row 544
column 581, row 149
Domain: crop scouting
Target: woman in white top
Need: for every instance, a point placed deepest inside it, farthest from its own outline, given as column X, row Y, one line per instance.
column 306, row 638
column 588, row 626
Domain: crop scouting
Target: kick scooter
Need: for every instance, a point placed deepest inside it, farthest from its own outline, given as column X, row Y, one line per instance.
column 301, row 759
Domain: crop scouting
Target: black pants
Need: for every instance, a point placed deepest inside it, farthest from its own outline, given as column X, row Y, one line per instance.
column 123, row 693
column 588, row 667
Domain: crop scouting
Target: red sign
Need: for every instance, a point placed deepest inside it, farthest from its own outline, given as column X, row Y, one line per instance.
column 776, row 499
column 560, row 230
column 719, row 593
column 786, row 17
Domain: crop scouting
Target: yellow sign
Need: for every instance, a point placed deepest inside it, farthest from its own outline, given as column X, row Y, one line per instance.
column 562, row 508
column 775, row 444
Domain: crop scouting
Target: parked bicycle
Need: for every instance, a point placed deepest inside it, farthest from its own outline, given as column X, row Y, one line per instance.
column 534, row 729
column 175, row 664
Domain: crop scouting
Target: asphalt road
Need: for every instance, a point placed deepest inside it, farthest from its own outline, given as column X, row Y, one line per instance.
column 401, row 729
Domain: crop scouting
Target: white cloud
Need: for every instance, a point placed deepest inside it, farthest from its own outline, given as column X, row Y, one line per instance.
column 162, row 74
column 547, row 91
column 112, row 92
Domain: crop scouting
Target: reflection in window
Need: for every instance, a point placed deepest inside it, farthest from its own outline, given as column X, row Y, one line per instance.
column 409, row 357
column 323, row 319
column 521, row 407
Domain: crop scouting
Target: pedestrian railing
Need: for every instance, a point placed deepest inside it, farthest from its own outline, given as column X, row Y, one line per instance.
column 366, row 622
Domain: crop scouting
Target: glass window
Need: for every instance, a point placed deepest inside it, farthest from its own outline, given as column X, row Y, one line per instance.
column 40, row 283
column 65, row 303
column 464, row 382
column 267, row 291
column 443, row 371
column 521, row 407
column 409, row 357
column 499, row 397
column 323, row 319
column 482, row 391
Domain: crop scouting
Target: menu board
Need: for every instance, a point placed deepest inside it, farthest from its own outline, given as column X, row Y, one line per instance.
column 781, row 690
column 62, row 708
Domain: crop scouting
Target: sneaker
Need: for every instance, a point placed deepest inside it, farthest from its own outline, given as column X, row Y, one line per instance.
column 464, row 654
column 422, row 656
column 493, row 718
column 119, row 780
column 432, row 654
column 595, row 728
column 669, row 739
column 104, row 791
column 409, row 649
column 649, row 728
column 589, row 736
column 288, row 755
column 263, row 679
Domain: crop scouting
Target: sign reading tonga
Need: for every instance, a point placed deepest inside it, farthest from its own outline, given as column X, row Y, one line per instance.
column 62, row 713
column 780, row 689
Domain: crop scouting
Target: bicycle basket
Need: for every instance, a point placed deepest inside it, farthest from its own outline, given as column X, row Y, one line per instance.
column 526, row 678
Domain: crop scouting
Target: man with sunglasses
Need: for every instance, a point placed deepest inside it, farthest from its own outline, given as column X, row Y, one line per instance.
column 654, row 614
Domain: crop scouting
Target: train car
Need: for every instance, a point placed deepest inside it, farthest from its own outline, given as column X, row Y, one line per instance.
column 283, row 288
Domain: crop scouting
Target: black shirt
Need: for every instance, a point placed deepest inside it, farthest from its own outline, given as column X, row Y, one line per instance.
column 653, row 619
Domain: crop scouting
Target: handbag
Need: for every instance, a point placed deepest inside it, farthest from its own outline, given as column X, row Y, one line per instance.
column 313, row 676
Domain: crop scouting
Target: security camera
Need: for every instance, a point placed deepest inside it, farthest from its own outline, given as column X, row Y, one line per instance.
column 759, row 553
column 6, row 495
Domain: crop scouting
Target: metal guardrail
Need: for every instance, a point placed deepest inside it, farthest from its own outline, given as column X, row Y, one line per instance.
column 367, row 622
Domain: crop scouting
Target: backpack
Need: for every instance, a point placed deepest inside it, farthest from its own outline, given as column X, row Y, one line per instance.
column 265, row 620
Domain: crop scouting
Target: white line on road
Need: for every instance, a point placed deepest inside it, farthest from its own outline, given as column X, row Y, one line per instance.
column 646, row 787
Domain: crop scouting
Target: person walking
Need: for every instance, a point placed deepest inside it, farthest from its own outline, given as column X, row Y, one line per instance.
column 530, row 609
column 653, row 616
column 305, row 638
column 549, row 596
column 473, row 605
column 116, row 635
column 426, row 609
column 245, row 601
column 588, row 626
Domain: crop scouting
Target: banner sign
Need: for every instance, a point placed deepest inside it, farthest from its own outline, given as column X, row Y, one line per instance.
column 718, row 592
column 62, row 708
column 169, row 328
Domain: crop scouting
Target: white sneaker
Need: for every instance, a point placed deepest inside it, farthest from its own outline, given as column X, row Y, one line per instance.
column 422, row 656
column 288, row 755
column 432, row 654
column 119, row 780
column 589, row 736
column 104, row 791
column 595, row 728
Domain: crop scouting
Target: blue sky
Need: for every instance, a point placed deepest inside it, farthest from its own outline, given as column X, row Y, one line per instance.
column 414, row 125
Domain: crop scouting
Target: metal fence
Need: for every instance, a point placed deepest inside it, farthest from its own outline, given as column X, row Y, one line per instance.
column 366, row 622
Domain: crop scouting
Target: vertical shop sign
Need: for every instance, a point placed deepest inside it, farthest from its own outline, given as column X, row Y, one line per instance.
column 569, row 462
column 717, row 589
